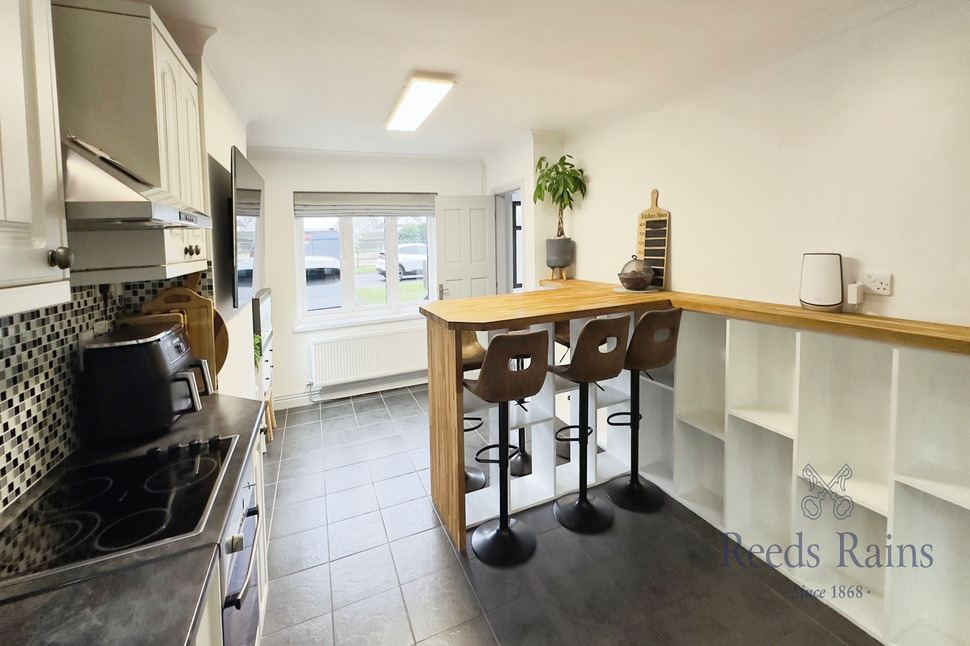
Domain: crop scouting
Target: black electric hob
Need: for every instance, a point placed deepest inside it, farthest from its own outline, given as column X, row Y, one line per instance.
column 114, row 507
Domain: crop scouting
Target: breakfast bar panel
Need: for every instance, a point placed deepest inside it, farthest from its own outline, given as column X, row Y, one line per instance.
column 447, row 442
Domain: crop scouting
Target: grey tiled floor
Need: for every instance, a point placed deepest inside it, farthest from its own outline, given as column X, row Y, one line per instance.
column 357, row 555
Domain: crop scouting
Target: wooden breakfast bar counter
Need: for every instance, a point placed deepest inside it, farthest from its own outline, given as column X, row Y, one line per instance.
column 576, row 299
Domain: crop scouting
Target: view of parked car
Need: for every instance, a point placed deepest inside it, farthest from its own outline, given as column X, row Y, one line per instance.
column 411, row 259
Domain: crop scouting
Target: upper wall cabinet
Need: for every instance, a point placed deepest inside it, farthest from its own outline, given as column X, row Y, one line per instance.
column 125, row 88
column 31, row 188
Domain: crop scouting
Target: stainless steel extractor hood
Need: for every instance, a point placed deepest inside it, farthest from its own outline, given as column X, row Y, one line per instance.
column 99, row 192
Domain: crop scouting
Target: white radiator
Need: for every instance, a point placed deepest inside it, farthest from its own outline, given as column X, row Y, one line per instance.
column 357, row 357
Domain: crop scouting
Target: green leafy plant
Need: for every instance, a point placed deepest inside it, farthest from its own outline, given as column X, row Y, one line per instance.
column 257, row 349
column 560, row 181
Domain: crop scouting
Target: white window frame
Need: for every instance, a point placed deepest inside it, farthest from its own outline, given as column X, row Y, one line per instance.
column 349, row 312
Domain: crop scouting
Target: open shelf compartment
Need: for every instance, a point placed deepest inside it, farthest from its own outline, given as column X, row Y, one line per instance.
column 699, row 472
column 701, row 363
column 762, row 375
column 841, row 547
column 758, row 484
column 928, row 603
column 845, row 392
column 932, row 413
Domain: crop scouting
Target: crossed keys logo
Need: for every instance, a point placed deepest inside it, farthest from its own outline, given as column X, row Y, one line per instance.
column 819, row 489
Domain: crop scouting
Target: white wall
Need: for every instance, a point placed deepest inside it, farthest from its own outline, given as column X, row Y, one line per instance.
column 222, row 130
column 286, row 171
column 859, row 144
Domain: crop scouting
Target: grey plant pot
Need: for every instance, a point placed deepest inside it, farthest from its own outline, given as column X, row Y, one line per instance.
column 559, row 252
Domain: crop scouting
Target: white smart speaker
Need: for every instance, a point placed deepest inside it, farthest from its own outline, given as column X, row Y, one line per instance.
column 821, row 288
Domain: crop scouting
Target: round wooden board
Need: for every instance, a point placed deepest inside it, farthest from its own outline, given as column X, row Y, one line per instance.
column 221, row 335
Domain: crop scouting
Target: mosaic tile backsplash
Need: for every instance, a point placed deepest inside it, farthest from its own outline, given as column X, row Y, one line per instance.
column 38, row 366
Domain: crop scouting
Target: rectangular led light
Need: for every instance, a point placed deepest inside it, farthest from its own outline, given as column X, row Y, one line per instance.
column 421, row 96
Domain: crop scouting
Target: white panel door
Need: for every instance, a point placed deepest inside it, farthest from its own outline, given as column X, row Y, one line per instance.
column 465, row 227
column 31, row 195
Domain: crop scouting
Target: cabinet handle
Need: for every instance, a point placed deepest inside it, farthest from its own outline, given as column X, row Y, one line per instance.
column 198, row 250
column 62, row 258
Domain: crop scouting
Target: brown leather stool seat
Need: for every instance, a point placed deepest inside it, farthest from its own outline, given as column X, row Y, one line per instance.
column 590, row 363
column 514, row 367
column 654, row 345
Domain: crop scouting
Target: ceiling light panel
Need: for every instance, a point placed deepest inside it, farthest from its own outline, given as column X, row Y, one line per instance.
column 421, row 96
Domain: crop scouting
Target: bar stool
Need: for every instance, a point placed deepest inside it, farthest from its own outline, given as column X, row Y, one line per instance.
column 506, row 541
column 581, row 512
column 472, row 354
column 654, row 345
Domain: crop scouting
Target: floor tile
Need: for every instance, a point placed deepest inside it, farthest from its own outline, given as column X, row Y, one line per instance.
column 394, row 491
column 390, row 466
column 810, row 633
column 342, row 409
column 301, row 488
column 424, row 475
column 308, row 431
column 422, row 554
column 641, row 633
column 409, row 518
column 421, row 457
column 753, row 609
column 299, row 517
column 439, row 601
column 593, row 605
column 362, row 575
column 533, row 621
column 558, row 556
column 297, row 597
column 498, row 586
column 402, row 406
column 296, row 416
column 386, row 442
column 471, row 633
column 298, row 552
column 374, row 416
column 296, row 448
column 305, row 464
column 347, row 477
column 412, row 423
column 355, row 534
column 380, row 620
column 691, row 620
column 352, row 502
column 844, row 629
column 338, row 426
column 369, row 403
column 341, row 456
column 316, row 632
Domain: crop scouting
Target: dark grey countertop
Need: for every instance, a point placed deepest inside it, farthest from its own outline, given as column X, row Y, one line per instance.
column 149, row 596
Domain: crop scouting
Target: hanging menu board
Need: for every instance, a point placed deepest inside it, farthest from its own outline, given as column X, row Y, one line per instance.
column 652, row 237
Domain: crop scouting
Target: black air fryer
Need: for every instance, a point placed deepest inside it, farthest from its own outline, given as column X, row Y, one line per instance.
column 136, row 381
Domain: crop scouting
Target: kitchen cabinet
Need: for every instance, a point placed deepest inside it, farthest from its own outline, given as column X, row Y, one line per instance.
column 125, row 255
column 31, row 186
column 125, row 88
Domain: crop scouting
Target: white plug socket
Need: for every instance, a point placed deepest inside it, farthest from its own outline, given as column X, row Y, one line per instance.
column 880, row 283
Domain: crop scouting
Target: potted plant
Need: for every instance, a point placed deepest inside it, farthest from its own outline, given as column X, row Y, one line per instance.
column 560, row 181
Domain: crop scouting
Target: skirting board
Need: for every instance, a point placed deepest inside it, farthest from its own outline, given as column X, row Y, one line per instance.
column 323, row 395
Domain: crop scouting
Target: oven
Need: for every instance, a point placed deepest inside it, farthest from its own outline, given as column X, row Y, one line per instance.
column 240, row 550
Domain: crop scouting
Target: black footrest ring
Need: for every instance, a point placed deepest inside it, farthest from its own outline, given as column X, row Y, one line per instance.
column 589, row 431
column 629, row 416
column 513, row 451
column 472, row 419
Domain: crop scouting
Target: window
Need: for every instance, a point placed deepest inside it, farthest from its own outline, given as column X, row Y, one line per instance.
column 363, row 255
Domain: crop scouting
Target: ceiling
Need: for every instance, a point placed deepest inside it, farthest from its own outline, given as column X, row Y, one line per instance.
column 324, row 74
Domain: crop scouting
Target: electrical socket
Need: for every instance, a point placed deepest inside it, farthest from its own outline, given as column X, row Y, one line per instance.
column 880, row 283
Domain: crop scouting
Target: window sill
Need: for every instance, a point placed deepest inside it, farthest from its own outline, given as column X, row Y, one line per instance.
column 315, row 325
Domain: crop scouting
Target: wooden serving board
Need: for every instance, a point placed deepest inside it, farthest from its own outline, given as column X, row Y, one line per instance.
column 653, row 235
column 199, row 325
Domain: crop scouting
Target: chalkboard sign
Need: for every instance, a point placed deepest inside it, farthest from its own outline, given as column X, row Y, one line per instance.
column 653, row 233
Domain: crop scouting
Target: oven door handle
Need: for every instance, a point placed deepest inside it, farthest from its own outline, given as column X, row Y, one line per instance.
column 235, row 599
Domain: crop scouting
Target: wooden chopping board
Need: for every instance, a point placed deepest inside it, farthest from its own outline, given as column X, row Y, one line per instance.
column 199, row 321
column 221, row 339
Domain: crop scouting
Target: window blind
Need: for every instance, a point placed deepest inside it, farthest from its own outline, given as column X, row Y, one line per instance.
column 316, row 205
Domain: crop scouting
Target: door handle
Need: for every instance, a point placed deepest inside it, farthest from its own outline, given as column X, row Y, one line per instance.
column 442, row 291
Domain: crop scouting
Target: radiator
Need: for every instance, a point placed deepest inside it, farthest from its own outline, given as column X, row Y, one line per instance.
column 357, row 357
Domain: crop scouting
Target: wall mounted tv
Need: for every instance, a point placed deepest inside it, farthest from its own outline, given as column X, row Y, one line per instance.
column 247, row 208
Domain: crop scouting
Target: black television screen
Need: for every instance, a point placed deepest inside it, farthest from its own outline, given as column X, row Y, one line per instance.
column 247, row 207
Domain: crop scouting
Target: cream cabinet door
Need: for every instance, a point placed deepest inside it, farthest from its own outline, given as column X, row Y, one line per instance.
column 31, row 189
column 190, row 151
column 167, row 78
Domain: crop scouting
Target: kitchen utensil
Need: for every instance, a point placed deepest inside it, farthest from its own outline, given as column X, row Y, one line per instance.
column 221, row 339
column 636, row 275
column 653, row 236
column 199, row 324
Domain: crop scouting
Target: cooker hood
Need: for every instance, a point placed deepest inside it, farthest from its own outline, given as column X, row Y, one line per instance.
column 99, row 192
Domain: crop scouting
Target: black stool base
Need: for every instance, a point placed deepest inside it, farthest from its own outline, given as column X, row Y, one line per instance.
column 590, row 516
column 638, row 495
column 520, row 464
column 503, row 547
column 474, row 479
